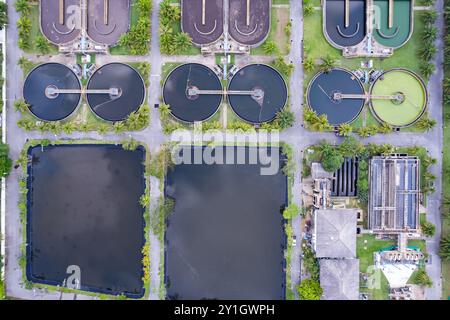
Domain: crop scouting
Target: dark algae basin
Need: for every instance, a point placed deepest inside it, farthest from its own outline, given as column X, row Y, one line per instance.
column 192, row 108
column 321, row 95
column 44, row 106
column 225, row 237
column 269, row 82
column 130, row 86
column 84, row 210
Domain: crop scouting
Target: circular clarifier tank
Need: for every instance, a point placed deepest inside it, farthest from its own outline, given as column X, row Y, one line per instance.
column 327, row 95
column 183, row 88
column 409, row 97
column 120, row 91
column 41, row 87
column 256, row 93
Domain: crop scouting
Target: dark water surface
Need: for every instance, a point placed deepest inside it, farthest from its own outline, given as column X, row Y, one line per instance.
column 321, row 96
column 84, row 210
column 335, row 22
column 258, row 76
column 175, row 92
column 225, row 237
column 51, row 75
column 122, row 77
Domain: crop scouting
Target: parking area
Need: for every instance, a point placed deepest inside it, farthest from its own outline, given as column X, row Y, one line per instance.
column 59, row 20
column 249, row 21
column 202, row 20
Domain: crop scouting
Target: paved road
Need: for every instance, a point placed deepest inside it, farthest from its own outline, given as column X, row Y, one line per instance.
column 296, row 136
column 436, row 136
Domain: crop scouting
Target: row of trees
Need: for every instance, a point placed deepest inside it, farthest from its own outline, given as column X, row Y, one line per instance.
column 326, row 63
column 428, row 49
column 136, row 121
column 3, row 14
column 171, row 42
column 137, row 39
column 24, row 27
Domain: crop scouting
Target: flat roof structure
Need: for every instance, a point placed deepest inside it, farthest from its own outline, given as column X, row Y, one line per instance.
column 202, row 20
column 345, row 178
column 394, row 193
column 249, row 21
column 339, row 279
column 335, row 233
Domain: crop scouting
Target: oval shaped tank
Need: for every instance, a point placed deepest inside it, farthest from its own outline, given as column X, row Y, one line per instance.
column 327, row 95
column 257, row 92
column 120, row 91
column 193, row 92
column 41, row 87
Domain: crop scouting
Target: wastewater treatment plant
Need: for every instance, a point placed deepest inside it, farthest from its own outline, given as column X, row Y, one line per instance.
column 257, row 150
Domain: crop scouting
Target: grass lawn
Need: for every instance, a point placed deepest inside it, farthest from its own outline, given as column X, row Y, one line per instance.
column 123, row 50
column 280, row 17
column 446, row 191
column 36, row 31
column 2, row 291
column 364, row 252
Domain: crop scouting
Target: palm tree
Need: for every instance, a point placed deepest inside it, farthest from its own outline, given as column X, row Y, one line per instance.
column 119, row 127
column 42, row 45
column 308, row 9
column 182, row 42
column 328, row 63
column 364, row 132
column 102, row 129
column 164, row 110
column 428, row 52
column 285, row 119
column 429, row 33
column 444, row 251
column 384, row 128
column 322, row 123
column 426, row 124
column 309, row 115
column 270, row 47
column 3, row 14
column 429, row 16
column 22, row 6
column 427, row 69
column 21, row 106
column 309, row 64
column 345, row 130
